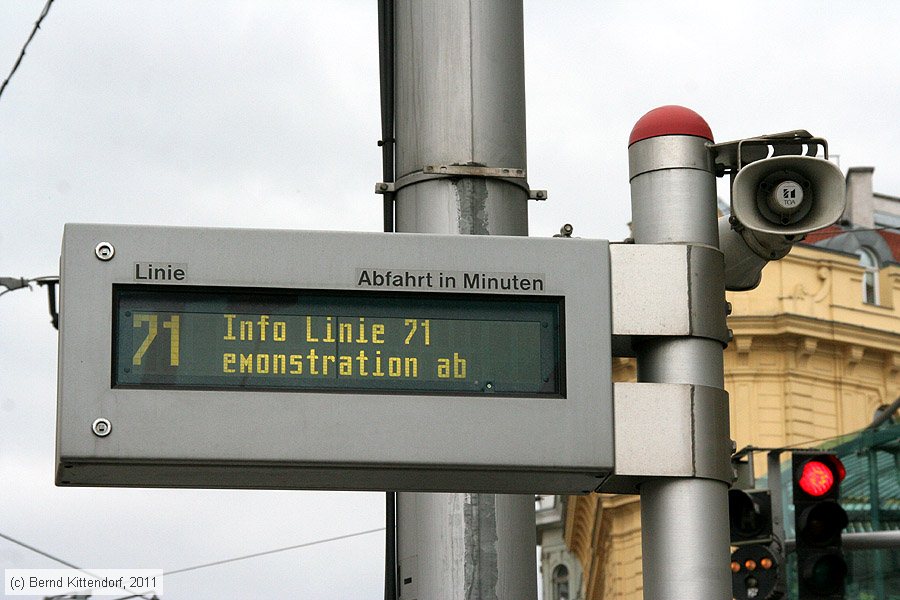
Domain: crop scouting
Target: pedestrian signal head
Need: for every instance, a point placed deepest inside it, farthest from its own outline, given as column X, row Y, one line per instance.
column 749, row 516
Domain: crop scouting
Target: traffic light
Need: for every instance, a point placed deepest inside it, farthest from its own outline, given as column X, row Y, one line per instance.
column 750, row 516
column 818, row 522
column 754, row 572
column 754, row 568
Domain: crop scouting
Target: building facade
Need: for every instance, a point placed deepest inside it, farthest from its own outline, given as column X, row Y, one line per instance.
column 561, row 572
column 816, row 351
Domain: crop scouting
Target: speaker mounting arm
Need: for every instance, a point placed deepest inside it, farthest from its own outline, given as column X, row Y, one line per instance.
column 731, row 157
column 782, row 187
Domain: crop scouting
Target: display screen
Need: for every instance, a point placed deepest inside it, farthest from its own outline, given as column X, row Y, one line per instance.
column 224, row 338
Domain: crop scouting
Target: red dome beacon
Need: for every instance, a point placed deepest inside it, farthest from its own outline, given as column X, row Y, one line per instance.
column 671, row 165
column 670, row 120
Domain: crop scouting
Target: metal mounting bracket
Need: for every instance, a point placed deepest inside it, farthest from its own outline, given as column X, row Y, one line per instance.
column 511, row 175
column 731, row 157
column 668, row 430
column 657, row 291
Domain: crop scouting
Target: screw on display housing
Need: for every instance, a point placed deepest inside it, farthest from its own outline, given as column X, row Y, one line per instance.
column 101, row 427
column 104, row 251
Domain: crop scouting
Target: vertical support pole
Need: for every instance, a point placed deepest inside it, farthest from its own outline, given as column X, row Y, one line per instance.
column 386, row 77
column 773, row 475
column 776, row 489
column 875, row 514
column 460, row 100
column 684, row 521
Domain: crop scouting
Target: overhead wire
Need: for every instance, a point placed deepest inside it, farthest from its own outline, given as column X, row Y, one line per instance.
column 267, row 552
column 275, row 551
column 48, row 281
column 37, row 25
column 17, row 283
column 13, row 283
column 38, row 551
column 807, row 444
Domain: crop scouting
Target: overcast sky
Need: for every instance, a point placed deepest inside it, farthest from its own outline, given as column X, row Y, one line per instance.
column 265, row 114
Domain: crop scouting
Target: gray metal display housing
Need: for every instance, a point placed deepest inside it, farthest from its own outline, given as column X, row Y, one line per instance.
column 329, row 440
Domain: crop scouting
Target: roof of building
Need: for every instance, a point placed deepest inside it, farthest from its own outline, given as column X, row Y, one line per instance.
column 871, row 220
column 885, row 243
column 871, row 460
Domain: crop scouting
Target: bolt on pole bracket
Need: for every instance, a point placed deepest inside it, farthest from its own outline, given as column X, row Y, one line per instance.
column 511, row 175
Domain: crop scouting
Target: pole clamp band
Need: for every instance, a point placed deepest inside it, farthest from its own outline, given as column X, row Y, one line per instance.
column 511, row 175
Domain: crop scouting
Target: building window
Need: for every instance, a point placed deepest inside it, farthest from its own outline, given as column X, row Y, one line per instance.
column 561, row 583
column 868, row 260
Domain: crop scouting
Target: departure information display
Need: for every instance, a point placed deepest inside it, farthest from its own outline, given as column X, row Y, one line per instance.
column 234, row 338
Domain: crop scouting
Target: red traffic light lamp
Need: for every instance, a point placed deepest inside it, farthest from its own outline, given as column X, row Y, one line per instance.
column 816, row 478
column 819, row 475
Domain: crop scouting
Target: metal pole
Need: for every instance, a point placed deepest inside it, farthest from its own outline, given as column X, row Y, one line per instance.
column 778, row 547
column 775, row 488
column 875, row 512
column 865, row 540
column 460, row 100
column 684, row 521
column 386, row 77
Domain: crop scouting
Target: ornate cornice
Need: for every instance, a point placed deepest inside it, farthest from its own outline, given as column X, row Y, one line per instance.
column 762, row 326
